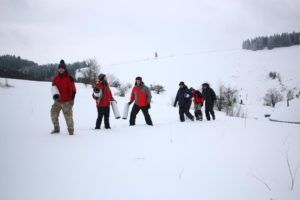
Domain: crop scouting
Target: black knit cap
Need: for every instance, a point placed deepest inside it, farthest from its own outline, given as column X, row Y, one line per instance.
column 138, row 78
column 101, row 77
column 205, row 85
column 62, row 64
column 181, row 83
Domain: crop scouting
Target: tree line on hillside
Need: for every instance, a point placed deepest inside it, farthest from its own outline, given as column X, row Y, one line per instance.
column 12, row 66
column 271, row 42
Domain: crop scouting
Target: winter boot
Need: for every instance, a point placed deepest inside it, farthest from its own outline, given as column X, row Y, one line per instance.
column 55, row 130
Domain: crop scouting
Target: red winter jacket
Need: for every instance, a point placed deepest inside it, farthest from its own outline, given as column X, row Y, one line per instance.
column 141, row 95
column 106, row 95
column 196, row 95
column 65, row 85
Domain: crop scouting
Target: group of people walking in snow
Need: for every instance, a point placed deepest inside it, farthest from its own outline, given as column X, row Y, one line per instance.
column 64, row 92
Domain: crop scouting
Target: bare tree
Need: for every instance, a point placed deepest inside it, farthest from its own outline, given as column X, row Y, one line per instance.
column 157, row 88
column 272, row 97
column 289, row 96
column 220, row 97
column 113, row 81
column 91, row 72
column 123, row 89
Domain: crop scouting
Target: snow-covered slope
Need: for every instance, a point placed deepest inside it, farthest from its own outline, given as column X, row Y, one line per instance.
column 229, row 158
column 285, row 113
column 247, row 71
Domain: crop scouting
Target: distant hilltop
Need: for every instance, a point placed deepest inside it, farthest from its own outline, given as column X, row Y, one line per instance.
column 271, row 42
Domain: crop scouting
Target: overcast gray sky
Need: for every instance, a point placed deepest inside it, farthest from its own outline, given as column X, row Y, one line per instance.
column 118, row 30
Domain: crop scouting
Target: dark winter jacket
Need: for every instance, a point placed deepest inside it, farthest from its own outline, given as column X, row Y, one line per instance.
column 66, row 87
column 183, row 97
column 141, row 95
column 106, row 95
column 209, row 95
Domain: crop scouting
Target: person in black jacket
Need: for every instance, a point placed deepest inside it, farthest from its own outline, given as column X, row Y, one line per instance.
column 184, row 99
column 209, row 96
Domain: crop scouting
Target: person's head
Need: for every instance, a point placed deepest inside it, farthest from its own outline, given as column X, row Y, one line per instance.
column 181, row 84
column 62, row 68
column 205, row 85
column 192, row 89
column 138, row 80
column 102, row 77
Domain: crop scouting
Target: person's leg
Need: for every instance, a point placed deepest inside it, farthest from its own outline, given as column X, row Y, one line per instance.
column 99, row 118
column 188, row 114
column 147, row 116
column 134, row 111
column 181, row 114
column 55, row 110
column 106, row 117
column 207, row 111
column 67, row 109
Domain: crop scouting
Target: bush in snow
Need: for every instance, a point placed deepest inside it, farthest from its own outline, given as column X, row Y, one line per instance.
column 227, row 98
column 113, row 81
column 90, row 73
column 273, row 75
column 123, row 89
column 157, row 88
column 272, row 97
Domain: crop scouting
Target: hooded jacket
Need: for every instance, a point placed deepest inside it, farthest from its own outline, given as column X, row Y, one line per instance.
column 106, row 95
column 141, row 95
column 65, row 85
column 183, row 97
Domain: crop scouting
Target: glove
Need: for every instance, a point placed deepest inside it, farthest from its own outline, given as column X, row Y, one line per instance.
column 201, row 104
column 72, row 103
column 97, row 98
column 129, row 103
column 187, row 95
column 148, row 106
column 174, row 105
column 96, row 90
column 55, row 97
column 73, row 95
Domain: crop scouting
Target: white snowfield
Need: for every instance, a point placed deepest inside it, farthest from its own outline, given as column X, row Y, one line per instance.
column 285, row 113
column 229, row 158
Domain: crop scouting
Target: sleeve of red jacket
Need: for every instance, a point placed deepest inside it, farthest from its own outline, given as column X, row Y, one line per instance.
column 73, row 87
column 132, row 95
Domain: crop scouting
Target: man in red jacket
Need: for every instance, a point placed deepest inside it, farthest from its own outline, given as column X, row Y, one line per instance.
column 141, row 96
column 64, row 91
column 103, row 96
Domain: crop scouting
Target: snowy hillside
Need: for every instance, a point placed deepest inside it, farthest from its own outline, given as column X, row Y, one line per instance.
column 230, row 158
column 247, row 71
column 284, row 113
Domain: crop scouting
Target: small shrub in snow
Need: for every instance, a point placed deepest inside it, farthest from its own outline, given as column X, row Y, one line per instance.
column 272, row 97
column 123, row 89
column 5, row 84
column 157, row 88
column 113, row 81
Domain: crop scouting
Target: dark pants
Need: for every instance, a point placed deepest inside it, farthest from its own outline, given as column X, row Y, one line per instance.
column 209, row 110
column 186, row 111
column 198, row 114
column 135, row 110
column 103, row 111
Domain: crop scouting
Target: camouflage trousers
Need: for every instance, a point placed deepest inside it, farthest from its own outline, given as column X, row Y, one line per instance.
column 67, row 108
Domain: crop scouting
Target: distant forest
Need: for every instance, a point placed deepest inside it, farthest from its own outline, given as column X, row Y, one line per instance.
column 271, row 42
column 15, row 67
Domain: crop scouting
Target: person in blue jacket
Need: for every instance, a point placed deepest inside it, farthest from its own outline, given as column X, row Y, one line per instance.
column 184, row 99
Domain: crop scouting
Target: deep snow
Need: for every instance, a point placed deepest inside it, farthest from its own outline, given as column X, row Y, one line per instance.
column 229, row 158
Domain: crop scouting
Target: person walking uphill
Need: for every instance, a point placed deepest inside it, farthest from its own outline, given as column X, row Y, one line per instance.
column 103, row 96
column 141, row 96
column 184, row 99
column 64, row 91
column 198, row 103
column 209, row 96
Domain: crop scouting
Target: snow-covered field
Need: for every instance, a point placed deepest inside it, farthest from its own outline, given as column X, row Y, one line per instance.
column 229, row 158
